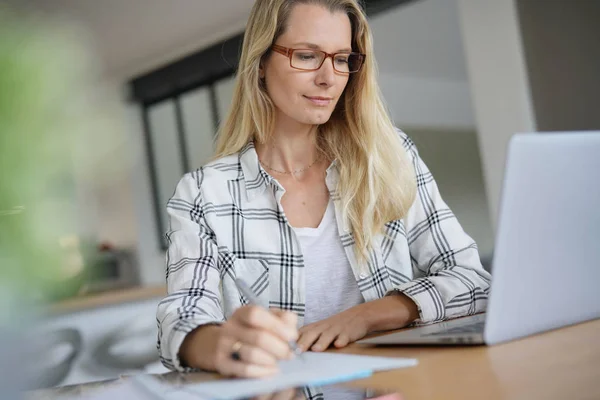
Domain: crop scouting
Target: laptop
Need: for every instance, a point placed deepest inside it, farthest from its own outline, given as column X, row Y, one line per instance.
column 546, row 263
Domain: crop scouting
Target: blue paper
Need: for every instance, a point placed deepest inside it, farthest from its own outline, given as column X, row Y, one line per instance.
column 311, row 369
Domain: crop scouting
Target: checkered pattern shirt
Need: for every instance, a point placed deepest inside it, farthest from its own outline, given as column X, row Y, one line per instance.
column 226, row 222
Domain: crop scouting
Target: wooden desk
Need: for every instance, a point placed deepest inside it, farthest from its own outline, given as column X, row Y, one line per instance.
column 561, row 364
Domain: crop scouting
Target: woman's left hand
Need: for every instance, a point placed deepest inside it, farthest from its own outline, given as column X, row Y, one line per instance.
column 340, row 329
column 390, row 312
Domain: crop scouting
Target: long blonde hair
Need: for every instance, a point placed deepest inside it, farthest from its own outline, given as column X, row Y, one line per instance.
column 377, row 181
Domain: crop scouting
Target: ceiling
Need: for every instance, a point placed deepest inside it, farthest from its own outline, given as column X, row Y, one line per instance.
column 135, row 36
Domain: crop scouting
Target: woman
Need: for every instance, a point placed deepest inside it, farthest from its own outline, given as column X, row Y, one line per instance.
column 315, row 201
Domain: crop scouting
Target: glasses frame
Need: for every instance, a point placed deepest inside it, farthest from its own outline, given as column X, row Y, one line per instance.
column 289, row 52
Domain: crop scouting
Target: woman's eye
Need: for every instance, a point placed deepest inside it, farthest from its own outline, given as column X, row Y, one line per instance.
column 305, row 57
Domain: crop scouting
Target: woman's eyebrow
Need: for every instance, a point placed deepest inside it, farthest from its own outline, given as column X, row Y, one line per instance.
column 317, row 47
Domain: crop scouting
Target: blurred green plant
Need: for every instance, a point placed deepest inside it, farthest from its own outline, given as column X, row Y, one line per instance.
column 44, row 111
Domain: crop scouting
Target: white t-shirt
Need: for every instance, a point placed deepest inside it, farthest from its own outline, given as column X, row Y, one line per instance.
column 330, row 283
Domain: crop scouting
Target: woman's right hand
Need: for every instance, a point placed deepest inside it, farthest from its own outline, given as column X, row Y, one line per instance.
column 248, row 345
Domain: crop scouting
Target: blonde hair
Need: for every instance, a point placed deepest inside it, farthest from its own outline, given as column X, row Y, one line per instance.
column 377, row 181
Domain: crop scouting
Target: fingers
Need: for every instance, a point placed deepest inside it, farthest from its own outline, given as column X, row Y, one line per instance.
column 290, row 318
column 318, row 337
column 342, row 340
column 255, row 355
column 308, row 338
column 266, row 341
column 257, row 345
column 259, row 337
column 253, row 362
column 260, row 318
column 324, row 340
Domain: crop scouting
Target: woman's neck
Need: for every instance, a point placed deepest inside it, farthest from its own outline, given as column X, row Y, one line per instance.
column 289, row 151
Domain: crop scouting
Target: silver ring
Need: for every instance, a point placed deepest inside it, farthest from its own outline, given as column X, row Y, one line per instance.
column 235, row 351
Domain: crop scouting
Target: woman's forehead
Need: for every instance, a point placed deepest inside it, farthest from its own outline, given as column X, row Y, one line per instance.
column 319, row 27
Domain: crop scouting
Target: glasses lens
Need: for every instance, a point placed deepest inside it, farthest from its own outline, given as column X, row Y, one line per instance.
column 348, row 62
column 355, row 61
column 307, row 59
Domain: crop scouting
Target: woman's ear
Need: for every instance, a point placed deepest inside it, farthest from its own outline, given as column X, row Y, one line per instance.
column 261, row 71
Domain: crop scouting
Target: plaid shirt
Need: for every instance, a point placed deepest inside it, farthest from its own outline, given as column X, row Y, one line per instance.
column 227, row 222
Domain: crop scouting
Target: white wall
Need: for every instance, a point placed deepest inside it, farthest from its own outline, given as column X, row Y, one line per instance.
column 423, row 75
column 103, row 160
column 431, row 102
column 499, row 83
column 112, row 181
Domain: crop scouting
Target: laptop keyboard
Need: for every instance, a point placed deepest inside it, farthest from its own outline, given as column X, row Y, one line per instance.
column 475, row 327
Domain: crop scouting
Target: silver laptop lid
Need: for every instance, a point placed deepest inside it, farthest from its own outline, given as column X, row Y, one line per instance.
column 546, row 268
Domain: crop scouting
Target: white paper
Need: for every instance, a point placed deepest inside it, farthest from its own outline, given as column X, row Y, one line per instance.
column 314, row 369
column 122, row 390
column 141, row 387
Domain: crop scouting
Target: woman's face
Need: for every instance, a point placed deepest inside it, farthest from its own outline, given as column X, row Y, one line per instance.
column 308, row 97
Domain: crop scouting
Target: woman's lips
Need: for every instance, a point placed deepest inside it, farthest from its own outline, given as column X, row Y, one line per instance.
column 319, row 101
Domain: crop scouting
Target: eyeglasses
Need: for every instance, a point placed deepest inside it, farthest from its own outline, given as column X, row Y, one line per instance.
column 312, row 60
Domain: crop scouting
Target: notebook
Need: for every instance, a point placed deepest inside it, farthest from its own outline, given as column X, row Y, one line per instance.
column 311, row 369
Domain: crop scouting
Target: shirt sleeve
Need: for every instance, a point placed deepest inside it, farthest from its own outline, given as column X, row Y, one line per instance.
column 193, row 278
column 449, row 279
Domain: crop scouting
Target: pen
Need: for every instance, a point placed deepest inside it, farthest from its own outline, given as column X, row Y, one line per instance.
column 246, row 291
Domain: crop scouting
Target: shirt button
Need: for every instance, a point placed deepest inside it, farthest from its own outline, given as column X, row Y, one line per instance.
column 362, row 275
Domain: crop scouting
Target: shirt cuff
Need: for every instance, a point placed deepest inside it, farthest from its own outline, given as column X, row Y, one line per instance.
column 427, row 298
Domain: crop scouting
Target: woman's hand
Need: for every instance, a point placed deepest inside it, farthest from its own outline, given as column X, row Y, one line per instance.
column 340, row 329
column 248, row 345
column 390, row 312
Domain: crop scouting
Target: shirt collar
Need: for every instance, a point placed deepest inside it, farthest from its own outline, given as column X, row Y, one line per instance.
column 256, row 179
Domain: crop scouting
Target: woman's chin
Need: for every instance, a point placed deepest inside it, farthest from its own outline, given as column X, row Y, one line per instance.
column 317, row 118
